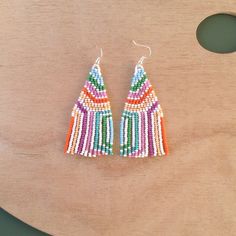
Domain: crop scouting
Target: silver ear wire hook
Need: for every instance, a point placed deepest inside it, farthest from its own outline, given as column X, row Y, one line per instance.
column 99, row 58
column 140, row 62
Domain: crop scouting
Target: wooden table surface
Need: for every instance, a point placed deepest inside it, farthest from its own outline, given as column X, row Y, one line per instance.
column 46, row 51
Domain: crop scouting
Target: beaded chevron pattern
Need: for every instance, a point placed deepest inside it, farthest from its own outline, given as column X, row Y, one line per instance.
column 91, row 126
column 142, row 130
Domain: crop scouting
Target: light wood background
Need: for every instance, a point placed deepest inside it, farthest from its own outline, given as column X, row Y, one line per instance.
column 46, row 51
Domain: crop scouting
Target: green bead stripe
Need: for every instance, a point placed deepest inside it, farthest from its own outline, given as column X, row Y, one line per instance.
column 104, row 132
column 135, row 87
column 126, row 115
column 107, row 145
column 96, row 138
column 95, row 83
column 136, row 131
column 127, row 148
column 124, row 148
column 129, row 134
column 133, row 131
column 107, row 116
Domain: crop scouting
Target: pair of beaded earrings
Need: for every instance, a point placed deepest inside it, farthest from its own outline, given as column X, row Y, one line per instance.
column 142, row 132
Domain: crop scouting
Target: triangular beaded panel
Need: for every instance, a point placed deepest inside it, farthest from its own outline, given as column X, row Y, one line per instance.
column 142, row 131
column 91, row 127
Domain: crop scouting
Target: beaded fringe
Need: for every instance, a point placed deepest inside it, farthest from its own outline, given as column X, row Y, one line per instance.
column 91, row 126
column 142, row 130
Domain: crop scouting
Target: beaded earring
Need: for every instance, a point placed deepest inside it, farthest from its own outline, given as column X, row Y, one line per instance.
column 91, row 127
column 142, row 131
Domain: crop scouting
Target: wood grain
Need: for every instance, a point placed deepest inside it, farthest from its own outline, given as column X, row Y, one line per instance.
column 47, row 49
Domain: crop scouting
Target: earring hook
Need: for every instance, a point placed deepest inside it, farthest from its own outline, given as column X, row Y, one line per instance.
column 143, row 57
column 99, row 58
